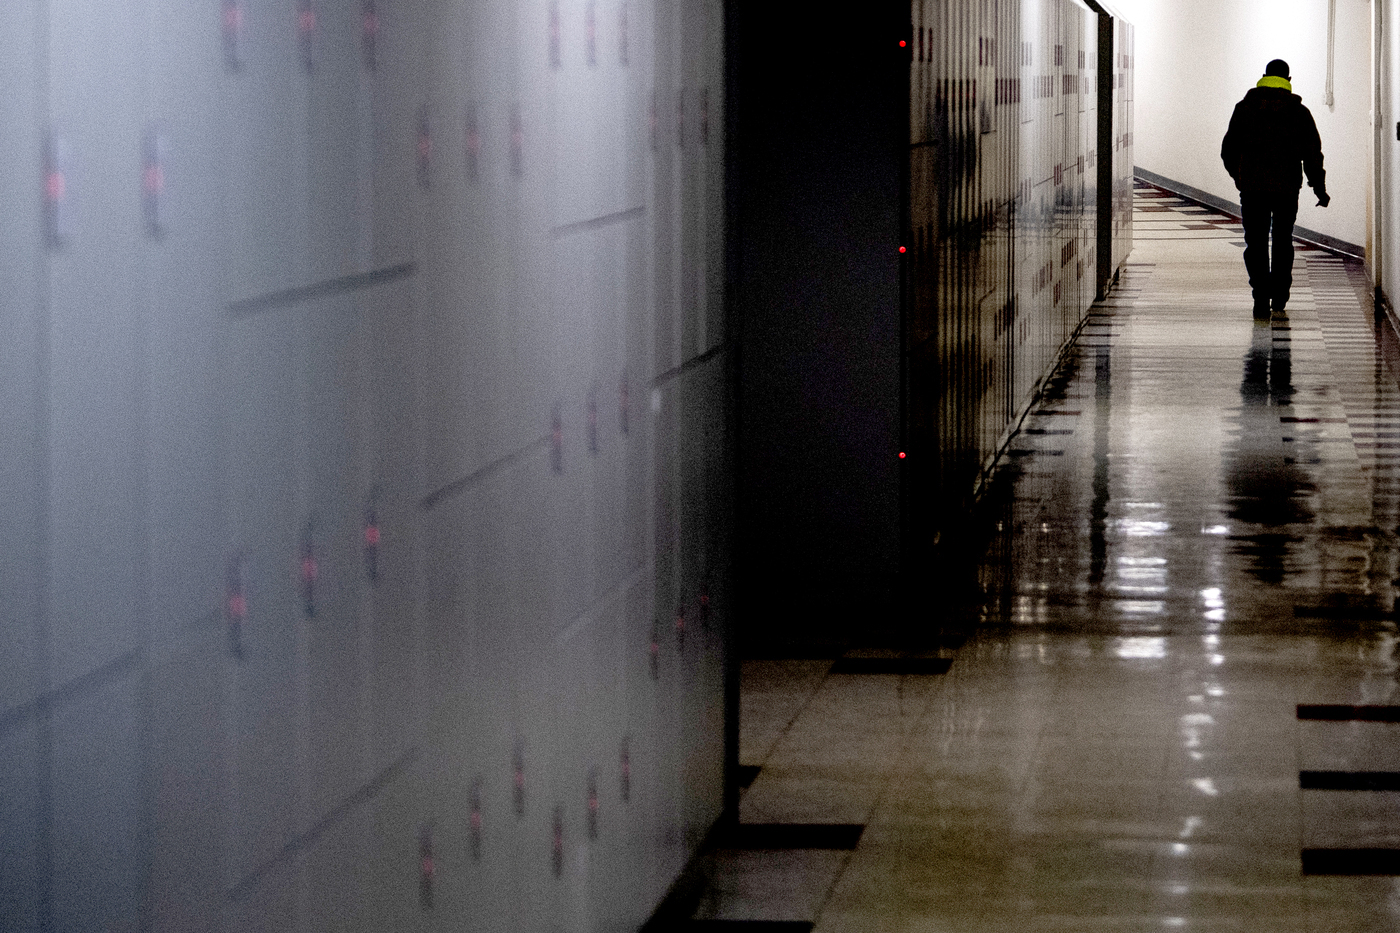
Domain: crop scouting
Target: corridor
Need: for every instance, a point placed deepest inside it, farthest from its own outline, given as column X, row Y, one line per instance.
column 1173, row 709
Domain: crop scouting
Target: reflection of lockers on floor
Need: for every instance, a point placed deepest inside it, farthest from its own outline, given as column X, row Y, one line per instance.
column 364, row 467
column 1005, row 199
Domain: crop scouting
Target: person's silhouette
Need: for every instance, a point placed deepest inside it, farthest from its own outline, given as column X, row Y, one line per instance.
column 1272, row 140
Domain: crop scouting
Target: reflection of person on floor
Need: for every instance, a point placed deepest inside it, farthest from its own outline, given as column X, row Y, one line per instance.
column 1271, row 135
column 1268, row 492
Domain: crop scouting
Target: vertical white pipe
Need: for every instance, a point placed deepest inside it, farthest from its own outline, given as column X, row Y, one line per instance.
column 1380, row 91
column 1329, row 97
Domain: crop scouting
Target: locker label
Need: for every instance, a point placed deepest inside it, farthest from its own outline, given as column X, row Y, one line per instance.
column 474, row 821
column 153, row 161
column 590, row 31
column 473, row 143
column 231, row 27
column 57, row 196
column 427, row 867
column 369, row 36
column 306, row 35
column 236, row 601
column 424, row 148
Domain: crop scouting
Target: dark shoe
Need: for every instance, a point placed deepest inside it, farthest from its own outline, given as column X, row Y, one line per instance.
column 1279, row 306
column 1261, row 310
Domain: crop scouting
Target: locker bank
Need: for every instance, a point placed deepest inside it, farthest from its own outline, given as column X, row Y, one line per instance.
column 425, row 428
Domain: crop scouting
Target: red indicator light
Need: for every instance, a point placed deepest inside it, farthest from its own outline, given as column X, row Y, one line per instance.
column 55, row 191
column 369, row 35
column 310, row 567
column 424, row 148
column 903, row 44
column 236, row 601
column 426, row 867
column 903, row 249
column 232, row 29
column 306, row 31
column 153, row 161
column 902, row 455
column 372, row 537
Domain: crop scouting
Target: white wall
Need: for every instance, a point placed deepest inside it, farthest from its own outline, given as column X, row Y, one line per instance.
column 1197, row 58
column 1385, row 262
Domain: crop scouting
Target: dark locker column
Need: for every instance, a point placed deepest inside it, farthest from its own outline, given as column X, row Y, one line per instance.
column 819, row 135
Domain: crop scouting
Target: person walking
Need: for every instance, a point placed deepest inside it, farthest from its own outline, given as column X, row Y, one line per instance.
column 1271, row 135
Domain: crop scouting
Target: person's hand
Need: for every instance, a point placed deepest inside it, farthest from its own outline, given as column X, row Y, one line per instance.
column 1323, row 198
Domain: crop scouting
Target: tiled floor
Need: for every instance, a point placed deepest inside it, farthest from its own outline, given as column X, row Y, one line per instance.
column 1197, row 535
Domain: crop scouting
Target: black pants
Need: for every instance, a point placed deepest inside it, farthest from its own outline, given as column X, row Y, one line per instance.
column 1260, row 212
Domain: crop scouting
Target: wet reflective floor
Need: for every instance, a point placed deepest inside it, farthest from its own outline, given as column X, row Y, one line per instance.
column 1178, row 703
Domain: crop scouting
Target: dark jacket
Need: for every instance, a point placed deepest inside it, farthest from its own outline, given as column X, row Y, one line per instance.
column 1271, row 134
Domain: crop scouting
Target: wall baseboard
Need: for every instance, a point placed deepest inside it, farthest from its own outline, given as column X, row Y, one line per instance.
column 1321, row 240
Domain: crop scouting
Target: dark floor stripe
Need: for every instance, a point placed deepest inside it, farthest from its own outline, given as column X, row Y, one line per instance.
column 749, row 926
column 1351, row 861
column 747, row 774
column 1345, row 613
column 892, row 666
column 1339, row 713
column 1349, row 780
column 792, row 836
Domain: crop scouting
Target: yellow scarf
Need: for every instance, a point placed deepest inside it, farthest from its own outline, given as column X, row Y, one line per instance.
column 1275, row 81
